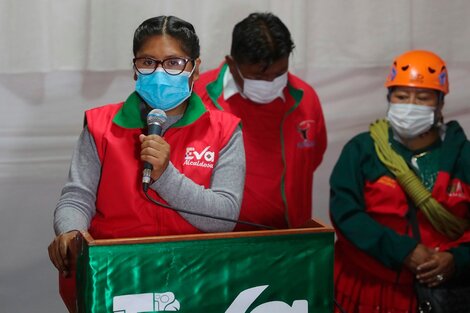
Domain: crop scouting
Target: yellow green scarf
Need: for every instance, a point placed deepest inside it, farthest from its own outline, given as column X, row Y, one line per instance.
column 443, row 221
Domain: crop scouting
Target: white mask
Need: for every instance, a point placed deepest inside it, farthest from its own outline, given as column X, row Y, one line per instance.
column 410, row 120
column 263, row 91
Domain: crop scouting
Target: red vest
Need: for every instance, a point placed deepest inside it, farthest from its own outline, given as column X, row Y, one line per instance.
column 122, row 209
column 284, row 144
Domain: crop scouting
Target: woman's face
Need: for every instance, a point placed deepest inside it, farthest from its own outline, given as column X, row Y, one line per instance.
column 411, row 95
column 161, row 47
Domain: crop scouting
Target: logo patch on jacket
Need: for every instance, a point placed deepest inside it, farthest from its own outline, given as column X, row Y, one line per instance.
column 204, row 158
column 456, row 190
column 388, row 181
column 306, row 130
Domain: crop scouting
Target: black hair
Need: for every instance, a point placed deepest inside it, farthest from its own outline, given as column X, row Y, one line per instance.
column 261, row 38
column 172, row 26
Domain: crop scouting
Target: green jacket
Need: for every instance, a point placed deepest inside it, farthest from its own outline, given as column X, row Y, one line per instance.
column 368, row 207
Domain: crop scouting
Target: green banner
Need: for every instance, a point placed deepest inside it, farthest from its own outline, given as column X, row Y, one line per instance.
column 288, row 273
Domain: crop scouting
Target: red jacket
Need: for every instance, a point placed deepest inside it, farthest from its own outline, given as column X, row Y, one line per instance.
column 284, row 144
column 122, row 209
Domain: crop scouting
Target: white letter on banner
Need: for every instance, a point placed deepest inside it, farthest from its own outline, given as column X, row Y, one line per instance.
column 243, row 301
column 145, row 302
column 298, row 306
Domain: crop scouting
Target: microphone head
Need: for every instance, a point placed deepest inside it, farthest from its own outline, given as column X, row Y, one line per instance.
column 156, row 116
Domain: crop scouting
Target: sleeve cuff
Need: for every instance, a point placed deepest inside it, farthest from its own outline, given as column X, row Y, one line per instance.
column 165, row 177
column 461, row 259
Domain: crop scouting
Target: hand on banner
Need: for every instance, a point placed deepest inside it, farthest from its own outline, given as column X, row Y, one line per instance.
column 59, row 251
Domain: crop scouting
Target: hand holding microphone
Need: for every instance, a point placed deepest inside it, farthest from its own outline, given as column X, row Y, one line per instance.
column 154, row 151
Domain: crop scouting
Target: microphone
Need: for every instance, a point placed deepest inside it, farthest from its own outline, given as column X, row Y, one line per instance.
column 155, row 121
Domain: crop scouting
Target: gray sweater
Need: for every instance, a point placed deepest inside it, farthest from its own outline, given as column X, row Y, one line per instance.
column 76, row 206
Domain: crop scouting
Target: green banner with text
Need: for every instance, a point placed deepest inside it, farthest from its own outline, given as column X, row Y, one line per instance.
column 265, row 274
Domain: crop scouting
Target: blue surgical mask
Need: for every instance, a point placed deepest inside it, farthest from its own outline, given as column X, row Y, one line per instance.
column 163, row 91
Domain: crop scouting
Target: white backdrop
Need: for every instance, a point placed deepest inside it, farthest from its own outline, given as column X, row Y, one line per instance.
column 60, row 57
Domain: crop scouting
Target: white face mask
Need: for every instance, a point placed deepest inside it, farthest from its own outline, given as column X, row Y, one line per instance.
column 410, row 120
column 263, row 91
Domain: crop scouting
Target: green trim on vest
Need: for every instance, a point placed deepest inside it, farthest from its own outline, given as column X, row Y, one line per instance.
column 194, row 111
column 129, row 116
column 215, row 88
column 297, row 94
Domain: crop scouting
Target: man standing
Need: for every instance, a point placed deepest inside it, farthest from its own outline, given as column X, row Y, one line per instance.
column 282, row 121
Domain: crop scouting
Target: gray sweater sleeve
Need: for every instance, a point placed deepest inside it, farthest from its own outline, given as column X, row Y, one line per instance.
column 224, row 197
column 76, row 206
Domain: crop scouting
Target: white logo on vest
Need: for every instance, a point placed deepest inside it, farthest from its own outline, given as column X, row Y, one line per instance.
column 205, row 158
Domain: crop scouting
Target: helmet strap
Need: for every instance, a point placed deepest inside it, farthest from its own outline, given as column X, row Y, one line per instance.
column 389, row 94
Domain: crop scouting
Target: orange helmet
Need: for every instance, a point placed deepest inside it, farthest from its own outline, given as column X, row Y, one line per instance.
column 421, row 69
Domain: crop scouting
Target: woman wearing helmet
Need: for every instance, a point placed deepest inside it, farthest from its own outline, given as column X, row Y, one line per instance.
column 400, row 196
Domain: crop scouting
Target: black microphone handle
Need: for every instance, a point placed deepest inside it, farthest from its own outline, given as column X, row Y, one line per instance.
column 153, row 129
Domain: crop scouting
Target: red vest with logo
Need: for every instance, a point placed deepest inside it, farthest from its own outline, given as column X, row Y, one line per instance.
column 122, row 209
column 284, row 144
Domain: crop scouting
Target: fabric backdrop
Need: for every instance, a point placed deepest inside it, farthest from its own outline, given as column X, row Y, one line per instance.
column 60, row 57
